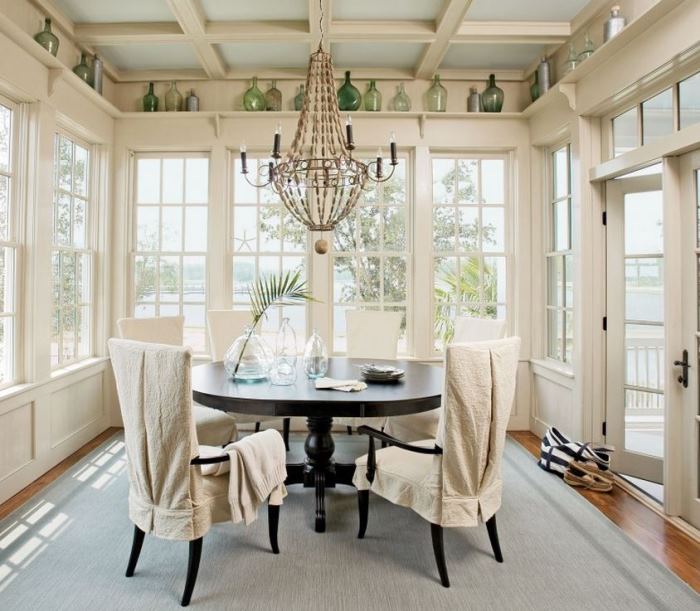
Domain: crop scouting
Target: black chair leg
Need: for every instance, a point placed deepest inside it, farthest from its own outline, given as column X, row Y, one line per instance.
column 439, row 549
column 493, row 537
column 363, row 505
column 349, row 428
column 257, row 427
column 135, row 551
column 285, row 432
column 192, row 569
column 273, row 520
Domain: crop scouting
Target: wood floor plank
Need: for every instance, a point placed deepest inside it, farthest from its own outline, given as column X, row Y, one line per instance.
column 661, row 538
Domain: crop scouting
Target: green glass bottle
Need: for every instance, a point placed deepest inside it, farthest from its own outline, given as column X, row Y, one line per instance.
column 150, row 100
column 402, row 103
column 273, row 98
column 173, row 99
column 253, row 99
column 437, row 96
column 492, row 98
column 535, row 88
column 47, row 39
column 571, row 60
column 588, row 48
column 83, row 70
column 299, row 98
column 373, row 98
column 349, row 97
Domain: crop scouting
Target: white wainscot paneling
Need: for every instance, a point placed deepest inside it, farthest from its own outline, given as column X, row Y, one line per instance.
column 76, row 407
column 553, row 405
column 16, row 439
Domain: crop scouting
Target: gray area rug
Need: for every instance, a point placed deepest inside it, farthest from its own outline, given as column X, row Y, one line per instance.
column 68, row 549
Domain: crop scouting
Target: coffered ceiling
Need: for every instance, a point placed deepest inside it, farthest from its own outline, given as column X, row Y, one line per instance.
column 160, row 39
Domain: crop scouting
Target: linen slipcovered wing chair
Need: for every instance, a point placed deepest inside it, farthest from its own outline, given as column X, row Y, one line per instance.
column 225, row 326
column 414, row 427
column 371, row 335
column 455, row 479
column 214, row 427
column 168, row 495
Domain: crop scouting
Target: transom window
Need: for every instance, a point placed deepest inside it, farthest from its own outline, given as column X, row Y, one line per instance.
column 559, row 303
column 371, row 256
column 8, row 244
column 71, row 327
column 170, row 270
column 469, row 241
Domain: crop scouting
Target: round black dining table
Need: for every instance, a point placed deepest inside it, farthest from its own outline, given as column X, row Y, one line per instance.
column 418, row 391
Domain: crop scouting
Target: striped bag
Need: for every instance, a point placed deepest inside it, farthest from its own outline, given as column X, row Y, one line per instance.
column 557, row 452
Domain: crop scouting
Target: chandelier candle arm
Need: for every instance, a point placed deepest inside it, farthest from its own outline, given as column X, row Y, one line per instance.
column 276, row 143
column 348, row 132
column 379, row 163
column 244, row 159
column 392, row 148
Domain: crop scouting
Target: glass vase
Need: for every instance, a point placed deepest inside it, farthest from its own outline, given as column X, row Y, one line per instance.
column 535, row 88
column 173, row 99
column 83, row 70
column 315, row 357
column 284, row 369
column 572, row 60
column 373, row 98
column 249, row 358
column 47, row 39
column 349, row 97
column 436, row 97
column 150, row 100
column 299, row 98
column 253, row 99
column 273, row 98
column 492, row 98
column 588, row 48
column 402, row 103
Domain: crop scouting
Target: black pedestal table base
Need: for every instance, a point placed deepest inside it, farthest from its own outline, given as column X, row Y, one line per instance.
column 319, row 470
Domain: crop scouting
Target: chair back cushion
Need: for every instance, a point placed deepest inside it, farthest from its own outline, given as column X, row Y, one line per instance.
column 154, row 389
column 479, row 391
column 224, row 327
column 372, row 334
column 157, row 330
column 468, row 329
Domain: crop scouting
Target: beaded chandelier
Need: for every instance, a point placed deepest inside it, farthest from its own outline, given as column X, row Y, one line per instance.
column 318, row 180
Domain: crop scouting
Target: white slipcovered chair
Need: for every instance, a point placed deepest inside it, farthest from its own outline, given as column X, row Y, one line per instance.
column 224, row 327
column 214, row 427
column 168, row 495
column 453, row 480
column 413, row 427
column 370, row 335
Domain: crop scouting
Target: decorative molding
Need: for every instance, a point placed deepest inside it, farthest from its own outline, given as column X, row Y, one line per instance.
column 54, row 75
column 569, row 90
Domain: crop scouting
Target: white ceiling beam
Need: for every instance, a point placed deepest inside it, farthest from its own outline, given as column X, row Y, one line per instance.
column 106, row 34
column 169, row 74
column 234, row 31
column 315, row 17
column 395, row 31
column 513, row 32
column 190, row 16
column 448, row 24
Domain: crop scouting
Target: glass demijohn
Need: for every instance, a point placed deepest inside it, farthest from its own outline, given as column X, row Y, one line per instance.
column 373, row 98
column 349, row 97
column 299, row 98
column 588, row 49
column 437, row 96
column 572, row 60
column 254, row 99
column 83, row 70
column 492, row 98
column 535, row 88
column 273, row 98
column 284, row 369
column 315, row 357
column 47, row 39
column 173, row 99
column 150, row 100
column 402, row 103
column 249, row 358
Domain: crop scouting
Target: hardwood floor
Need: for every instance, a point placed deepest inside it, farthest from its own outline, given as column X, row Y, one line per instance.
column 662, row 539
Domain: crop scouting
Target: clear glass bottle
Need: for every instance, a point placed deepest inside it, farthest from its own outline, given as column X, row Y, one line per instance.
column 249, row 358
column 150, row 100
column 299, row 98
column 572, row 60
column 173, row 99
column 588, row 48
column 315, row 357
column 273, row 98
column 492, row 98
column 284, row 369
column 83, row 70
column 254, row 99
column 402, row 103
column 47, row 39
column 349, row 96
column 436, row 97
column 373, row 98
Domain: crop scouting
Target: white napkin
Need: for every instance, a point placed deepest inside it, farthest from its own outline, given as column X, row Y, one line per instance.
column 344, row 385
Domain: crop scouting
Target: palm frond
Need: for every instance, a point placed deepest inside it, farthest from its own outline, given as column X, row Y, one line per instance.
column 279, row 290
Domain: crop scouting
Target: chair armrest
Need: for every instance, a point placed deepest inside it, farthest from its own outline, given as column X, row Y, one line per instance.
column 210, row 460
column 392, row 441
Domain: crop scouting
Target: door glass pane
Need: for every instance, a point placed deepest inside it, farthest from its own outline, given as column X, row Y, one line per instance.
column 644, row 422
column 644, row 282
column 625, row 132
column 657, row 116
column 689, row 100
column 644, row 223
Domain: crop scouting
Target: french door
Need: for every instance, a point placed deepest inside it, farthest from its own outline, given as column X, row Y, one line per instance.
column 636, row 363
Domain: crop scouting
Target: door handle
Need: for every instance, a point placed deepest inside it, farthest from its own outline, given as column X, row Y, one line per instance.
column 684, row 365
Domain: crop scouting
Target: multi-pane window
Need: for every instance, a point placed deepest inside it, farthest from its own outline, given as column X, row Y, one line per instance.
column 559, row 258
column 266, row 241
column 469, row 241
column 689, row 101
column 370, row 260
column 72, row 253
column 171, row 199
column 8, row 246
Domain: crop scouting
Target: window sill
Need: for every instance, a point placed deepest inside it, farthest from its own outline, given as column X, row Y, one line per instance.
column 554, row 371
column 57, row 374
